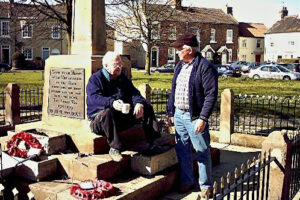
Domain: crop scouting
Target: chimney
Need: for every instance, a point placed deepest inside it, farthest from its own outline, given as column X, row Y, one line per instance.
column 284, row 12
column 176, row 4
column 229, row 10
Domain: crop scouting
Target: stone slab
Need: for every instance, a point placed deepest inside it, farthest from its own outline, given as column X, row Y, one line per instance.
column 247, row 140
column 92, row 167
column 137, row 187
column 48, row 190
column 150, row 165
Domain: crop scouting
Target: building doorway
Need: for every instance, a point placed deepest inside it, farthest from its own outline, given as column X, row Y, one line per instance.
column 154, row 57
column 257, row 58
column 224, row 58
column 5, row 54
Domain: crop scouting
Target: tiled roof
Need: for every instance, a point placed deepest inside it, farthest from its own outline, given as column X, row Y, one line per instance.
column 252, row 29
column 194, row 14
column 287, row 25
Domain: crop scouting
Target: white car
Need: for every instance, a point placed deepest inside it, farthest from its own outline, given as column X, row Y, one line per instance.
column 273, row 71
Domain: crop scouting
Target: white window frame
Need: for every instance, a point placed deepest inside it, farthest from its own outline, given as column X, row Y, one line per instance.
column 27, row 33
column 258, row 41
column 2, row 34
column 155, row 34
column 58, row 32
column 229, row 36
column 244, row 43
column 173, row 52
column 212, row 35
column 43, row 51
column 25, row 55
column 271, row 44
column 208, row 55
column 173, row 33
column 229, row 55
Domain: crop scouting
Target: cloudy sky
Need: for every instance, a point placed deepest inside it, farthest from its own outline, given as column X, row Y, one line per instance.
column 262, row 11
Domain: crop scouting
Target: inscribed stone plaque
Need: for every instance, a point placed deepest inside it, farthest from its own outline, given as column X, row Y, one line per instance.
column 66, row 93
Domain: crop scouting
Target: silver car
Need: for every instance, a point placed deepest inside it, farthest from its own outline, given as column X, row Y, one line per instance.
column 273, row 71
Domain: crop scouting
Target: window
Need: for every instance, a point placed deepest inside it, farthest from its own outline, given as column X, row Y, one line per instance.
column 258, row 43
column 28, row 53
column 264, row 69
column 172, row 35
column 213, row 35
column 291, row 43
column 155, row 32
column 27, row 30
column 196, row 31
column 46, row 52
column 244, row 57
column 272, row 44
column 244, row 43
column 4, row 29
column 171, row 55
column 56, row 32
column 229, row 36
column 229, row 55
column 208, row 55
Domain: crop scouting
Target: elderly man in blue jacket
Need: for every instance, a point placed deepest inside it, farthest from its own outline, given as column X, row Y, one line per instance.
column 114, row 104
column 193, row 95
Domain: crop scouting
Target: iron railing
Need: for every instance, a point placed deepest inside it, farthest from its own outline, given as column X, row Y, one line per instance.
column 261, row 115
column 250, row 182
column 159, row 101
column 31, row 101
column 2, row 108
column 295, row 167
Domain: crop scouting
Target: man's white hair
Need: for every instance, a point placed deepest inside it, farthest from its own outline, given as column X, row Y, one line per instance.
column 109, row 57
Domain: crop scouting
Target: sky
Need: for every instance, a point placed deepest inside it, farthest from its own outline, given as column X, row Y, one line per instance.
column 259, row 11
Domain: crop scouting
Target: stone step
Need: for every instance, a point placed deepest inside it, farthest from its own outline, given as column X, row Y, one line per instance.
column 135, row 187
column 83, row 140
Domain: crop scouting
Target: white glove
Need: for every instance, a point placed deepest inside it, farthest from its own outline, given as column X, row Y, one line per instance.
column 117, row 105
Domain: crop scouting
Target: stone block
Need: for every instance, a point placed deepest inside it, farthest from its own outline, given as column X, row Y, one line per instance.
column 254, row 141
column 48, row 190
column 136, row 187
column 36, row 170
column 150, row 165
column 92, row 167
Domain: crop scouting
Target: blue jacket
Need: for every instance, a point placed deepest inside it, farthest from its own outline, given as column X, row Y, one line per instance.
column 101, row 92
column 203, row 88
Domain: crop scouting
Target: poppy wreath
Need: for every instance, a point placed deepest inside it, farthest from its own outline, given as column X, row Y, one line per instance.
column 101, row 189
column 30, row 142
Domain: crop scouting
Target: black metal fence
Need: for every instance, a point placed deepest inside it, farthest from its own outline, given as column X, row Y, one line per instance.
column 159, row 101
column 295, row 167
column 31, row 101
column 2, row 108
column 250, row 182
column 261, row 115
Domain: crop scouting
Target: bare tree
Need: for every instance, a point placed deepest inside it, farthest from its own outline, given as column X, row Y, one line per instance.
column 138, row 21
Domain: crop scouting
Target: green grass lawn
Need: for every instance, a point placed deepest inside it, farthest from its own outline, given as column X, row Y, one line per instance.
column 163, row 80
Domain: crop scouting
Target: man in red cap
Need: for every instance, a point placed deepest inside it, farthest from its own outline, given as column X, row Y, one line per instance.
column 193, row 95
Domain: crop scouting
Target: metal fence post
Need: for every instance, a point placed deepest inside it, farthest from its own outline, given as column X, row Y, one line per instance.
column 145, row 90
column 278, row 144
column 12, row 104
column 226, row 116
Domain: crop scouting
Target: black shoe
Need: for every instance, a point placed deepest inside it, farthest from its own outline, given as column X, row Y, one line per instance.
column 115, row 155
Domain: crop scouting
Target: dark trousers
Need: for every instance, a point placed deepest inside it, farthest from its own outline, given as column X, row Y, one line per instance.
column 110, row 122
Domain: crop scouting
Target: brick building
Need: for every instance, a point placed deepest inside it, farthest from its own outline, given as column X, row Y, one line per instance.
column 217, row 33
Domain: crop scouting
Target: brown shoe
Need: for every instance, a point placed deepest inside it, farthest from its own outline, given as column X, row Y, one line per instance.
column 185, row 188
column 206, row 194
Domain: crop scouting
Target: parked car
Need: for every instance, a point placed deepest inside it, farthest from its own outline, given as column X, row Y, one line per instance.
column 294, row 67
column 273, row 71
column 4, row 67
column 249, row 66
column 226, row 71
column 166, row 68
column 237, row 65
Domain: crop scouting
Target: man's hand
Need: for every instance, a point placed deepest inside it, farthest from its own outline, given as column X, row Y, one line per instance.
column 138, row 110
column 199, row 126
column 117, row 105
column 170, row 121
